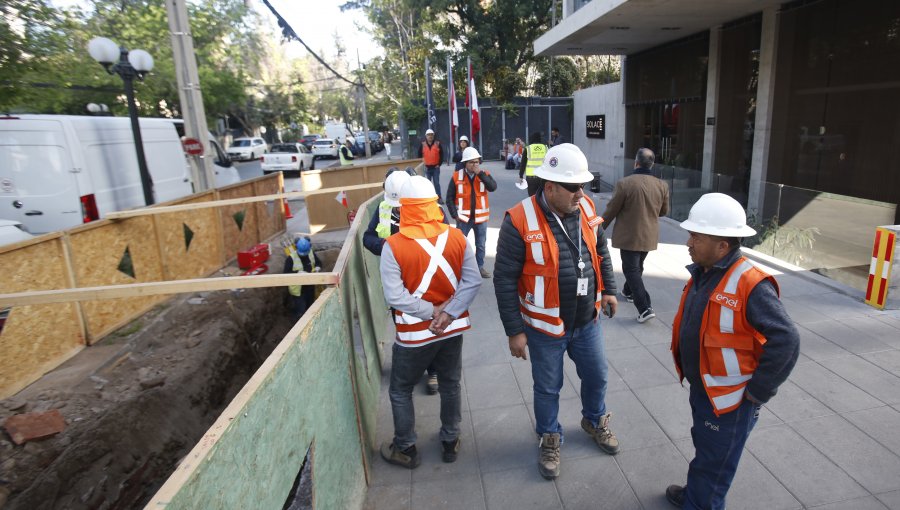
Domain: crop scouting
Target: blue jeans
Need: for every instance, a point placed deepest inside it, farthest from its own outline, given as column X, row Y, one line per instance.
column 407, row 366
column 719, row 442
column 633, row 267
column 480, row 238
column 433, row 173
column 585, row 347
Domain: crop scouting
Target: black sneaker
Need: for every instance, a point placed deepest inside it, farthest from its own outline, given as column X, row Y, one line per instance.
column 675, row 495
column 449, row 449
column 408, row 458
column 628, row 297
column 646, row 315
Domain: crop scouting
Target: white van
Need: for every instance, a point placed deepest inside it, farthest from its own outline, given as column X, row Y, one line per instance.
column 59, row 171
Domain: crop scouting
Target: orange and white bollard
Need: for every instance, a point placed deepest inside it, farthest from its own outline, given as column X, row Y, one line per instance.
column 881, row 292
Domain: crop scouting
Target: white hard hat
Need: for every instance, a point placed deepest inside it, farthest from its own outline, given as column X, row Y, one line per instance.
column 463, row 138
column 718, row 214
column 393, row 186
column 564, row 163
column 418, row 187
column 469, row 154
column 429, row 132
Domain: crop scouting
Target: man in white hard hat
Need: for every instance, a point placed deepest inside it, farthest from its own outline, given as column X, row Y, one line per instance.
column 552, row 277
column 432, row 153
column 468, row 202
column 457, row 158
column 430, row 278
column 732, row 340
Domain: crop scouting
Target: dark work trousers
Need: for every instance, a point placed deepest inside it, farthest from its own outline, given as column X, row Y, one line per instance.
column 718, row 442
column 433, row 174
column 633, row 267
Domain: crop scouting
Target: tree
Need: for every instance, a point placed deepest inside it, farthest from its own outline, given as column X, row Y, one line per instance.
column 558, row 77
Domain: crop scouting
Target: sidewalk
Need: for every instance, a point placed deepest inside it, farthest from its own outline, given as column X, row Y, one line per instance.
column 829, row 439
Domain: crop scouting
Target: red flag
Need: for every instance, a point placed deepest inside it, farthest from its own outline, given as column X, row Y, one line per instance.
column 454, row 115
column 472, row 103
column 342, row 198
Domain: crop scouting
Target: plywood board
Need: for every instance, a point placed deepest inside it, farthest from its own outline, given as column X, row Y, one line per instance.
column 202, row 256
column 325, row 212
column 270, row 218
column 238, row 237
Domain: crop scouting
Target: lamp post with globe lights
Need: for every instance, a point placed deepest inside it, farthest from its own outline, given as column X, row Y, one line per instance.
column 128, row 65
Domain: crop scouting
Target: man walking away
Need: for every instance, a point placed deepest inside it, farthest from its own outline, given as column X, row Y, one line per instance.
column 552, row 277
column 430, row 279
column 432, row 153
column 346, row 152
column 531, row 161
column 388, row 140
column 732, row 340
column 638, row 202
column 468, row 203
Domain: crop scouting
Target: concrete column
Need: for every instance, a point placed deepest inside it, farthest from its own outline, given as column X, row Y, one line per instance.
column 712, row 102
column 765, row 95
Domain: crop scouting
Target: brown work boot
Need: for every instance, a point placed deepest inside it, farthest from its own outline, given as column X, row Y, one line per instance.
column 604, row 437
column 408, row 458
column 548, row 464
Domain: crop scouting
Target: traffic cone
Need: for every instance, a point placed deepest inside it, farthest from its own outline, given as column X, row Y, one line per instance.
column 287, row 210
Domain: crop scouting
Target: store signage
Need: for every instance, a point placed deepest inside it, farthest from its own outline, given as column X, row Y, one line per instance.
column 595, row 126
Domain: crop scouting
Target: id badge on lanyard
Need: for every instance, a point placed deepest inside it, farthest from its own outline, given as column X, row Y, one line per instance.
column 582, row 288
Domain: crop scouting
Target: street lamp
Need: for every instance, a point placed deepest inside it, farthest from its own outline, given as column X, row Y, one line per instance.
column 128, row 65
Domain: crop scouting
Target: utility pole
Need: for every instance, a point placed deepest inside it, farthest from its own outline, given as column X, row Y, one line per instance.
column 189, row 94
column 361, row 90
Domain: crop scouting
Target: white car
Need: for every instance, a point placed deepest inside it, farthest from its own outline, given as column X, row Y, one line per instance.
column 12, row 231
column 287, row 157
column 325, row 148
column 247, row 149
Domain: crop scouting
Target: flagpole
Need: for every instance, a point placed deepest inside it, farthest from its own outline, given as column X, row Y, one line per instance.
column 469, row 92
column 427, row 94
column 450, row 100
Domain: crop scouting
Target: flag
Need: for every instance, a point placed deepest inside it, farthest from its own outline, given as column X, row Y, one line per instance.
column 454, row 115
column 472, row 103
column 342, row 198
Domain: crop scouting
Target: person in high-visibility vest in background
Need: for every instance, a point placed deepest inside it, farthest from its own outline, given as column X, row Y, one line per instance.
column 432, row 153
column 468, row 202
column 430, row 279
column 346, row 152
column 531, row 161
column 301, row 259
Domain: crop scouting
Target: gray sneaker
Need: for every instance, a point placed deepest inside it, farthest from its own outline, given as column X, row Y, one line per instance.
column 604, row 437
column 484, row 272
column 548, row 464
column 646, row 315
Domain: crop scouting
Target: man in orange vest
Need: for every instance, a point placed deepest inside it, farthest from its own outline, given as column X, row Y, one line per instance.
column 732, row 340
column 468, row 203
column 430, row 278
column 552, row 277
column 432, row 153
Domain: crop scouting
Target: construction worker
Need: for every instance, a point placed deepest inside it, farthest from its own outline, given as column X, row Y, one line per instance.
column 432, row 153
column 346, row 152
column 457, row 158
column 301, row 259
column 430, row 279
column 468, row 203
column 732, row 340
column 552, row 277
column 531, row 161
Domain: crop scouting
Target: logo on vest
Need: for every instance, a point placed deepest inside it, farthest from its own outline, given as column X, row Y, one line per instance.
column 711, row 426
column 534, row 238
column 722, row 299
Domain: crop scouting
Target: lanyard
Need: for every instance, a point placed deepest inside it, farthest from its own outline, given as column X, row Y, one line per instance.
column 561, row 226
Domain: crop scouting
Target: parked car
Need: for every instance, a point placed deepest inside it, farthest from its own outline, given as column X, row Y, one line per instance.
column 377, row 141
column 12, row 231
column 325, row 148
column 293, row 157
column 307, row 140
column 359, row 147
column 247, row 149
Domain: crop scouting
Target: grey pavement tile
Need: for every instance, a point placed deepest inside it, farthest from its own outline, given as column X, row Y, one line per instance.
column 791, row 403
column 890, row 499
column 836, row 305
column 872, row 465
column 791, row 459
column 504, row 438
column 650, row 470
column 462, row 492
column 792, row 285
column 888, row 360
column 669, row 406
column 831, row 389
column 483, row 350
column 891, row 320
column 492, row 386
column 864, row 375
column 388, row 497
column 816, row 347
column 639, row 368
column 522, row 371
column 767, row 418
column 800, row 312
column 867, row 503
column 663, row 353
column 520, row 489
column 846, row 337
column 429, row 446
column 875, row 328
column 615, row 336
column 881, row 423
column 651, row 332
column 594, row 482
column 631, row 423
column 666, row 317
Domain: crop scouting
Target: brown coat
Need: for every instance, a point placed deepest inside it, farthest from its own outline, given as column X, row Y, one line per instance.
column 637, row 203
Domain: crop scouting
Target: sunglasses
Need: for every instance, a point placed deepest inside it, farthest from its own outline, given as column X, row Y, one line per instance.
column 572, row 187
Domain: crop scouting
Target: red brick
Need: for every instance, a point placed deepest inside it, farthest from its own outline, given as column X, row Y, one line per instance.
column 26, row 427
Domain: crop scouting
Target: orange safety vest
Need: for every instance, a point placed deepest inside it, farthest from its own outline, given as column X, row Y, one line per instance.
column 464, row 197
column 539, row 282
column 729, row 346
column 431, row 270
column 431, row 155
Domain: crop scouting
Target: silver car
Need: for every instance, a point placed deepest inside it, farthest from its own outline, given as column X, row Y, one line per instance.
column 247, row 149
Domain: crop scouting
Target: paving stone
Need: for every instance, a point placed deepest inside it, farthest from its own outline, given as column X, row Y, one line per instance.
column 801, row 313
column 888, row 360
column 594, row 482
column 520, row 489
column 846, row 337
column 663, row 353
column 875, row 328
column 890, row 500
column 484, row 350
column 836, row 305
column 816, row 347
column 616, row 336
column 504, row 438
column 830, row 389
column 631, row 423
column 388, row 497
column 462, row 492
column 792, row 403
column 639, row 368
column 669, row 406
column 792, row 285
column 651, row 332
column 429, row 447
column 867, row 503
column 492, row 386
column 791, row 459
column 650, row 470
column 864, row 375
column 880, row 423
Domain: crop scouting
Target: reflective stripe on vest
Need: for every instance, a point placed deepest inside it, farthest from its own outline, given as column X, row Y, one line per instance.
column 729, row 346
column 464, row 197
column 297, row 267
column 539, row 282
column 536, row 153
column 344, row 160
column 383, row 229
column 431, row 156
